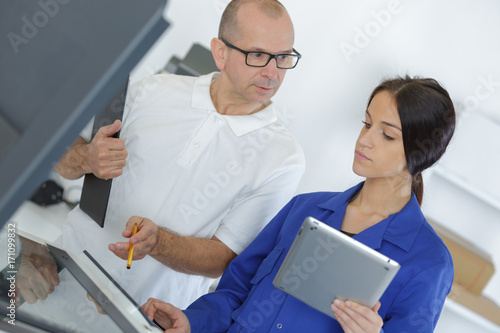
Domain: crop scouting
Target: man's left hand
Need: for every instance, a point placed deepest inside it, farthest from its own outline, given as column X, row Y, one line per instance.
column 144, row 240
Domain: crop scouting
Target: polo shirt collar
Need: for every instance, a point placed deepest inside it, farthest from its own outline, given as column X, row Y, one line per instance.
column 240, row 125
column 400, row 229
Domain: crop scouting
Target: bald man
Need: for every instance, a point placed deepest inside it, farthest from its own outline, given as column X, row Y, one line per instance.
column 201, row 166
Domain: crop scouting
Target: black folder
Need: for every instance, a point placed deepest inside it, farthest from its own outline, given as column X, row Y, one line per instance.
column 95, row 191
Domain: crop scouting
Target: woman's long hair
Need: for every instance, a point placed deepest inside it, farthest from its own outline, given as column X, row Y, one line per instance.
column 428, row 121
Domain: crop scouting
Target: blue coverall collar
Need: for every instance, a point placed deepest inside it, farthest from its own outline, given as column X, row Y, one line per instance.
column 394, row 229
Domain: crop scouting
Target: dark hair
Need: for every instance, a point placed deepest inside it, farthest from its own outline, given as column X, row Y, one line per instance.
column 229, row 28
column 428, row 121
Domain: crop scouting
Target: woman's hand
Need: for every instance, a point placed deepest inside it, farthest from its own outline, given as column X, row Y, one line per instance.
column 171, row 318
column 357, row 318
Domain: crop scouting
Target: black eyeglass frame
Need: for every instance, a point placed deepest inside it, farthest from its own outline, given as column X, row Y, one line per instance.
column 271, row 56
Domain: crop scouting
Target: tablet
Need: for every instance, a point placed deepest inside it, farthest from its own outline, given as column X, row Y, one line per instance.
column 324, row 264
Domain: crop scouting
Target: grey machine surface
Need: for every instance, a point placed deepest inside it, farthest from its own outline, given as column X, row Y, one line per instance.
column 61, row 62
column 333, row 265
column 68, row 308
column 198, row 61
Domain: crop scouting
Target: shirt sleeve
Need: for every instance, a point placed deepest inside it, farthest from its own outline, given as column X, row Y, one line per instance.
column 249, row 214
column 212, row 312
column 419, row 304
column 86, row 133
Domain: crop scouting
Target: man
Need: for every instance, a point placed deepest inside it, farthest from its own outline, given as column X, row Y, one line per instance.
column 208, row 163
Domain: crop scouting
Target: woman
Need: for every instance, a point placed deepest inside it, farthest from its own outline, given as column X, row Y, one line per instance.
column 408, row 125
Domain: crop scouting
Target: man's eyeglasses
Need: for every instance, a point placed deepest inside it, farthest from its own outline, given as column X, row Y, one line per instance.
column 261, row 59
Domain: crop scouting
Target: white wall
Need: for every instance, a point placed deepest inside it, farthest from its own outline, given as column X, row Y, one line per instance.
column 347, row 47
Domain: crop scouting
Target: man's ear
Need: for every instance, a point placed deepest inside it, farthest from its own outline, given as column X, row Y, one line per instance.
column 218, row 52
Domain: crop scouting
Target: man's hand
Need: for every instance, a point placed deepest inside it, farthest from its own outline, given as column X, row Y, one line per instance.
column 145, row 239
column 106, row 155
column 171, row 318
column 31, row 284
column 37, row 276
column 189, row 255
column 356, row 318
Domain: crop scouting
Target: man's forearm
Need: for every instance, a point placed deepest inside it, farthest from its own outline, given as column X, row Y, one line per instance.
column 73, row 164
column 190, row 255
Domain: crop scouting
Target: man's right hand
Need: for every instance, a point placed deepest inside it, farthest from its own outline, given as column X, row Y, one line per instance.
column 106, row 155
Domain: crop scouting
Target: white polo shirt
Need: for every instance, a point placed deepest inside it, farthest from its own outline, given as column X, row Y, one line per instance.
column 194, row 171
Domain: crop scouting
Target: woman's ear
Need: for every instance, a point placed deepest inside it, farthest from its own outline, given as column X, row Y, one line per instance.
column 218, row 52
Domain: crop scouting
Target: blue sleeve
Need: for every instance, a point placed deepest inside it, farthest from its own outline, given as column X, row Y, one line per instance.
column 212, row 312
column 419, row 304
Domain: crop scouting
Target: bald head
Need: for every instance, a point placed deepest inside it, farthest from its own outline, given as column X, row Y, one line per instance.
column 229, row 28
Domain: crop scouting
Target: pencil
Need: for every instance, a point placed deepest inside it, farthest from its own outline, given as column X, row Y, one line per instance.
column 131, row 249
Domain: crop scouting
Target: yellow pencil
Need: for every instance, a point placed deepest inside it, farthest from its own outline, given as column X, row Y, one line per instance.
column 131, row 249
